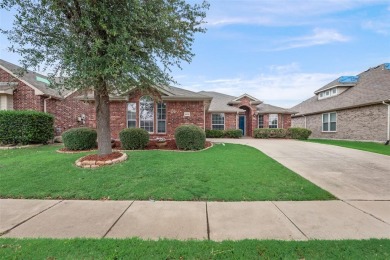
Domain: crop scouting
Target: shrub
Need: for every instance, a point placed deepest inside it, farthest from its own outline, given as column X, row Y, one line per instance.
column 134, row 138
column 214, row 133
column 299, row 133
column 82, row 138
column 190, row 137
column 270, row 133
column 233, row 133
column 25, row 127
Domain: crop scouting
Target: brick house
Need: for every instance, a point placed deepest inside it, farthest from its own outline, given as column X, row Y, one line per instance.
column 159, row 111
column 350, row 107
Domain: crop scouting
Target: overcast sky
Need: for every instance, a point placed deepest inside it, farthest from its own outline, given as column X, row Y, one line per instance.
column 279, row 51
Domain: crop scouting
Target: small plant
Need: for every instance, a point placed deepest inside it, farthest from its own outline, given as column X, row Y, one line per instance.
column 134, row 138
column 82, row 138
column 299, row 133
column 190, row 137
column 210, row 133
column 233, row 133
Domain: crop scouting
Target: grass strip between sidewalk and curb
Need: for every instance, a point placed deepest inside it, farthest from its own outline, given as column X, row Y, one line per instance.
column 173, row 249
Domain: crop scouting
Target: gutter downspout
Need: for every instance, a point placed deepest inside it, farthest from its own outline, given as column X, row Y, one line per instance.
column 388, row 122
column 44, row 103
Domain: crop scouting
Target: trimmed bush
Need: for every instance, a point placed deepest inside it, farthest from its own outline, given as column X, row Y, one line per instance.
column 82, row 138
column 299, row 133
column 233, row 133
column 214, row 133
column 190, row 137
column 25, row 127
column 270, row 133
column 134, row 138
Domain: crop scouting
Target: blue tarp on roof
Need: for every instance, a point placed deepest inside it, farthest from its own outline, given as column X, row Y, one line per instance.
column 387, row 66
column 348, row 79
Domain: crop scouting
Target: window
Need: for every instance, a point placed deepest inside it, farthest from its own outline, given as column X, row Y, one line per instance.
column 329, row 122
column 161, row 117
column 131, row 115
column 218, row 121
column 328, row 93
column 261, row 121
column 273, row 121
column 146, row 113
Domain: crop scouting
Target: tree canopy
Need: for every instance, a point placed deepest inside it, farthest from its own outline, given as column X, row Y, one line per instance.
column 107, row 45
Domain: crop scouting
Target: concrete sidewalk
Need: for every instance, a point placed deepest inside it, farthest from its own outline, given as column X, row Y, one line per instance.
column 282, row 220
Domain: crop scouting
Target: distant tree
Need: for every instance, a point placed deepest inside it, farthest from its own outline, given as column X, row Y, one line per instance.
column 109, row 46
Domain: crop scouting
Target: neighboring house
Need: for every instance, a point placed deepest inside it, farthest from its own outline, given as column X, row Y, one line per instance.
column 159, row 111
column 350, row 107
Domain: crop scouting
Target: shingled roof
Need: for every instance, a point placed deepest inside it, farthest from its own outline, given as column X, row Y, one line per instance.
column 32, row 79
column 220, row 103
column 372, row 87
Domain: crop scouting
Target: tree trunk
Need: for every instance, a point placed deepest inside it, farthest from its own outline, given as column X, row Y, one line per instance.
column 102, row 105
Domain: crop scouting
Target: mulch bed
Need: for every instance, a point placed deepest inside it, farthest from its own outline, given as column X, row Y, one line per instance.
column 171, row 145
column 96, row 157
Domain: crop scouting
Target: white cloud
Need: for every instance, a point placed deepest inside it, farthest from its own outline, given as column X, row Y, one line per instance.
column 381, row 27
column 283, row 86
column 318, row 37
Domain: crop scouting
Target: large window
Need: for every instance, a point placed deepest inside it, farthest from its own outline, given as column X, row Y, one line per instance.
column 261, row 121
column 218, row 121
column 273, row 121
column 131, row 115
column 329, row 122
column 161, row 117
column 146, row 113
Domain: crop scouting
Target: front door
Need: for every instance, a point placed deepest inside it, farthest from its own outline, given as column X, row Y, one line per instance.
column 241, row 123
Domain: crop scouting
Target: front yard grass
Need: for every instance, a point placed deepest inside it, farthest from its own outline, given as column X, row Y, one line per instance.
column 173, row 249
column 365, row 146
column 223, row 173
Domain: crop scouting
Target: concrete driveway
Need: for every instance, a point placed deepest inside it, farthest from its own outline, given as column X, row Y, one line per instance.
column 348, row 174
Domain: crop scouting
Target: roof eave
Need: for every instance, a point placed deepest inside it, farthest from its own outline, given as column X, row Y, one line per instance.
column 184, row 98
column 334, row 86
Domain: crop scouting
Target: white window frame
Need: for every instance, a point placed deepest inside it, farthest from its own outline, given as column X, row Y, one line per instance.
column 258, row 121
column 328, row 93
column 329, row 122
column 151, row 103
column 127, row 115
column 212, row 125
column 161, row 120
column 269, row 120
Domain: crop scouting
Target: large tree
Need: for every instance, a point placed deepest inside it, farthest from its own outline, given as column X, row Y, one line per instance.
column 109, row 46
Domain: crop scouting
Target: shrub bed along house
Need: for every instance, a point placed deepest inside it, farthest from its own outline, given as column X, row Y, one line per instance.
column 229, row 133
column 293, row 133
column 25, row 127
column 82, row 138
column 134, row 138
column 190, row 137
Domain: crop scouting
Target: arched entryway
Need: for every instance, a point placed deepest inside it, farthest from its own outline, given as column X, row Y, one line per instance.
column 245, row 121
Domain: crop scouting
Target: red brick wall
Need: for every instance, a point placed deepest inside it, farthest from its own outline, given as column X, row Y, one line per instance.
column 67, row 110
column 24, row 97
column 230, row 120
column 118, row 118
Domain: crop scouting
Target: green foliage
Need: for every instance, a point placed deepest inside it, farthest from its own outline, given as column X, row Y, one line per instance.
column 222, row 173
column 233, row 133
column 82, row 138
column 210, row 133
column 270, row 133
column 229, row 133
column 25, row 127
column 299, row 133
column 134, row 138
column 190, row 137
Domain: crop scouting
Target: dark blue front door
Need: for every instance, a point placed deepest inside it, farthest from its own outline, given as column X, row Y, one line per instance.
column 241, row 124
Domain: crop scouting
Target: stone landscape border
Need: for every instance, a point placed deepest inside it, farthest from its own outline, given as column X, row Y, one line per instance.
column 97, row 163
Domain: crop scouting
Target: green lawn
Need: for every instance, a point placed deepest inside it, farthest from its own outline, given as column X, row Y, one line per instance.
column 365, row 146
column 172, row 249
column 223, row 173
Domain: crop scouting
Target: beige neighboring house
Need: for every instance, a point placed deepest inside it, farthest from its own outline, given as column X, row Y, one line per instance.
column 350, row 107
